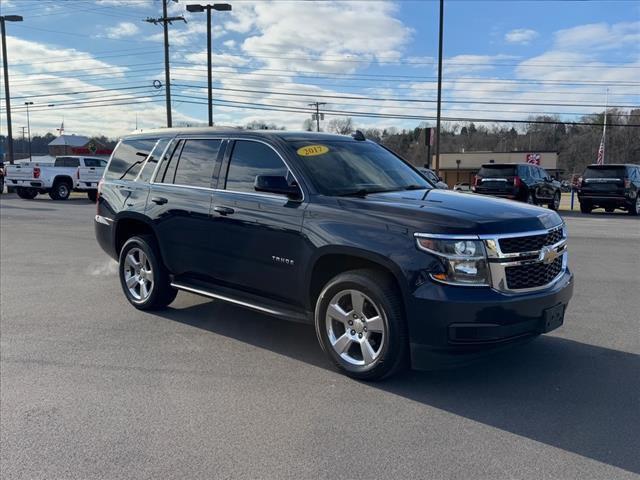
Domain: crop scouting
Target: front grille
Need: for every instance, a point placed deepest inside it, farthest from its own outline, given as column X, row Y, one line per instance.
column 530, row 243
column 532, row 275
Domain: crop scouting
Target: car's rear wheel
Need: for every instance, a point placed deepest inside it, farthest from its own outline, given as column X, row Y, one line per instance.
column 586, row 207
column 609, row 209
column 634, row 208
column 555, row 203
column 144, row 279
column 27, row 193
column 360, row 324
column 60, row 190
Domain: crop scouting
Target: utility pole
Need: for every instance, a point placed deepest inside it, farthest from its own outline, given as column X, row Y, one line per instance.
column 7, row 95
column 317, row 105
column 23, row 141
column 29, row 127
column 165, row 21
column 221, row 7
column 439, row 88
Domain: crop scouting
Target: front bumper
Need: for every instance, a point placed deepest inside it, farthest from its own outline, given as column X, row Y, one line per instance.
column 449, row 321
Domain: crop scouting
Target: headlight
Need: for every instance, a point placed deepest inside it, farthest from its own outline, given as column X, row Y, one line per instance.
column 464, row 260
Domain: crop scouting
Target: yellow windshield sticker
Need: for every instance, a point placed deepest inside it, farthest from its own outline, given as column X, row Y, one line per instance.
column 312, row 150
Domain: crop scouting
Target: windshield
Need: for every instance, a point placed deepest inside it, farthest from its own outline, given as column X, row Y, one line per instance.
column 354, row 167
column 497, row 171
column 605, row 172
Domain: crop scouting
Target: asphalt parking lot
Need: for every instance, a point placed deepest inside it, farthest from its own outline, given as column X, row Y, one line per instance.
column 91, row 388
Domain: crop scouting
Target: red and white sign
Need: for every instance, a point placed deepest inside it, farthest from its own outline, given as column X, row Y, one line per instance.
column 533, row 158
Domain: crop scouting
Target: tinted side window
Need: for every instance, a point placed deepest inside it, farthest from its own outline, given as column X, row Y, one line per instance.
column 67, row 162
column 250, row 159
column 152, row 161
column 128, row 159
column 196, row 164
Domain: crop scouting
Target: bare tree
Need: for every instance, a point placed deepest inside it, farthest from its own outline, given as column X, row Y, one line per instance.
column 341, row 126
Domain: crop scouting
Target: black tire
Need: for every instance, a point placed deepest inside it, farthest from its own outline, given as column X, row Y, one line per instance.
column 161, row 293
column 555, row 203
column 27, row 193
column 1, row 185
column 61, row 190
column 634, row 208
column 529, row 199
column 381, row 290
column 609, row 209
column 92, row 195
column 586, row 208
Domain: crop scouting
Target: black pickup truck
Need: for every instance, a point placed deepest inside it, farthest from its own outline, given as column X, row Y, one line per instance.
column 336, row 231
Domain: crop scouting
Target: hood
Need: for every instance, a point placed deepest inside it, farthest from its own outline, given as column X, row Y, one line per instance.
column 446, row 211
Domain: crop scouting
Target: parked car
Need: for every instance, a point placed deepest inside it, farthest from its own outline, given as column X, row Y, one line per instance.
column 1, row 178
column 462, row 187
column 610, row 186
column 433, row 178
column 334, row 231
column 519, row 181
column 67, row 174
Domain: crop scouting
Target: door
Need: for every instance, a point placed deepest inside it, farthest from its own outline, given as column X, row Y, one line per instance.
column 546, row 183
column 179, row 204
column 257, row 236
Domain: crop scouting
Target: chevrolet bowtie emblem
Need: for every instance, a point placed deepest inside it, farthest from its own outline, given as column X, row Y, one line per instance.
column 548, row 255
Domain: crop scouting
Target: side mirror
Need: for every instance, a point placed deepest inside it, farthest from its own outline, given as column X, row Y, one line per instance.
column 277, row 184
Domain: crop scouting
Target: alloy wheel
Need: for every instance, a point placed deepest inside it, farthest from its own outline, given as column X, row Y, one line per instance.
column 138, row 275
column 355, row 327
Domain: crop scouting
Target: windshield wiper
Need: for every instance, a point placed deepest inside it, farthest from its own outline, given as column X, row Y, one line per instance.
column 361, row 192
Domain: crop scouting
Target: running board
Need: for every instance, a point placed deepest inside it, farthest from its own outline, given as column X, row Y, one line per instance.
column 226, row 295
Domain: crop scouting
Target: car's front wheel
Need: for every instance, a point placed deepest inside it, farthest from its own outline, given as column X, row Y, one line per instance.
column 144, row 279
column 360, row 324
column 634, row 208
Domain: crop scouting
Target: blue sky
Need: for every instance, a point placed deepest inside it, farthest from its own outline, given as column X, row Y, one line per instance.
column 503, row 60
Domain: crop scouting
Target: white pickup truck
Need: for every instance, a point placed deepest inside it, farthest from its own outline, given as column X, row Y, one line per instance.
column 67, row 174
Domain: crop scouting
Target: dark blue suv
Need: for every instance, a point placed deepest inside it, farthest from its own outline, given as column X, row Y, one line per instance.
column 335, row 231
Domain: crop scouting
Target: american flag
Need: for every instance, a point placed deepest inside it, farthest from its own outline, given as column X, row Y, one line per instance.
column 600, row 159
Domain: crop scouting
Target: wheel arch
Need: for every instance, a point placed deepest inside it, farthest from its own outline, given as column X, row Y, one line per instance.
column 331, row 261
column 62, row 178
column 128, row 225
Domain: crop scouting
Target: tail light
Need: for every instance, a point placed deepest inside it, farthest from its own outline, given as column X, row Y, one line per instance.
column 627, row 183
column 36, row 172
column 517, row 182
column 476, row 180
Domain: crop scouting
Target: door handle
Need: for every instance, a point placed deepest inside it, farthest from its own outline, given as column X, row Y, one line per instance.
column 222, row 210
column 159, row 200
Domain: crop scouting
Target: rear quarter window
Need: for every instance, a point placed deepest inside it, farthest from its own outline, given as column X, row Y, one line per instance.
column 128, row 158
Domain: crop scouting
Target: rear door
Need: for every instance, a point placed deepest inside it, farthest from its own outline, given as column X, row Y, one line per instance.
column 257, row 236
column 180, row 201
column 603, row 181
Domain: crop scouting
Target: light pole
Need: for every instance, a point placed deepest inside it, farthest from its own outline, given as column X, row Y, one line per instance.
column 7, row 96
column 439, row 108
column 221, row 7
column 29, row 127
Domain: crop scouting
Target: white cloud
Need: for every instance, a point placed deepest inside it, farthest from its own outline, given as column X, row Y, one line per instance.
column 472, row 63
column 522, row 36
column 121, row 30
column 599, row 36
